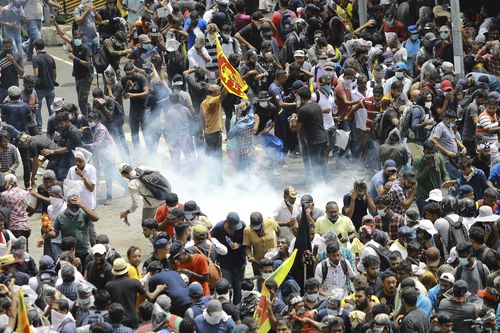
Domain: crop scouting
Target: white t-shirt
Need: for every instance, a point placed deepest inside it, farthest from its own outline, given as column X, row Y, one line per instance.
column 361, row 115
column 86, row 197
column 327, row 102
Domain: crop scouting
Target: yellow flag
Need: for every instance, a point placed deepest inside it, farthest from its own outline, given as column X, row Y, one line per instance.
column 229, row 77
column 23, row 324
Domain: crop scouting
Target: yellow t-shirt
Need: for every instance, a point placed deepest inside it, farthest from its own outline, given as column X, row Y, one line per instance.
column 261, row 244
column 342, row 228
column 133, row 273
column 211, row 111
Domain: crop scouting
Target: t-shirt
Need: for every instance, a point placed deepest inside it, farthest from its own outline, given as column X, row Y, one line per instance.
column 261, row 243
column 76, row 226
column 233, row 258
column 360, row 209
column 342, row 108
column 311, row 118
column 252, row 35
column 445, row 137
column 199, row 265
column 387, row 118
column 202, row 25
column 176, row 290
column 87, row 26
column 33, row 9
column 415, row 321
column 99, row 276
column 82, row 53
column 124, row 290
column 378, row 180
column 10, row 14
column 87, row 197
column 107, row 30
column 39, row 142
column 46, row 66
column 8, row 74
column 138, row 84
column 17, row 114
column 342, row 227
column 211, row 111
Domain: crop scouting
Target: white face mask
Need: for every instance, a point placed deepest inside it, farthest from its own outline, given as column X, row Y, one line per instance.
column 246, row 293
column 428, row 105
column 444, row 35
column 212, row 320
column 263, row 104
column 400, row 75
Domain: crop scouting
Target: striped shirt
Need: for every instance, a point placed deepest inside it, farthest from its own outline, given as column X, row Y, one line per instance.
column 9, row 161
column 486, row 121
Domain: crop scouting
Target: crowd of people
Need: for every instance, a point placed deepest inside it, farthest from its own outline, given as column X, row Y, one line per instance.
column 412, row 247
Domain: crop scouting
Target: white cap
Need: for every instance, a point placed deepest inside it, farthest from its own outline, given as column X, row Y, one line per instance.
column 453, row 255
column 447, row 277
column 435, row 195
column 427, row 226
column 98, row 249
column 299, row 53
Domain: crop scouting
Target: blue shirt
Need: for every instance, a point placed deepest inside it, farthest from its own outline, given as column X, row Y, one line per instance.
column 495, row 175
column 424, row 305
column 433, row 295
column 478, row 183
column 176, row 290
column 222, row 327
column 202, row 25
column 378, row 179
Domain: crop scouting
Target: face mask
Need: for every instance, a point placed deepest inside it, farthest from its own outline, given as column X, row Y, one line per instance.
column 77, row 42
column 428, row 105
column 437, row 86
column 444, row 35
column 246, row 293
column 381, row 212
column 390, row 23
column 414, row 37
column 212, row 320
column 73, row 212
column 92, row 124
column 400, row 75
column 263, row 104
column 225, row 296
column 265, row 275
column 463, row 261
column 312, row 297
column 326, row 87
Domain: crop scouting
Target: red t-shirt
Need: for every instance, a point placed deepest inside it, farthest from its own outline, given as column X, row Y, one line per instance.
column 161, row 215
column 342, row 108
column 372, row 109
column 199, row 265
column 276, row 21
column 398, row 27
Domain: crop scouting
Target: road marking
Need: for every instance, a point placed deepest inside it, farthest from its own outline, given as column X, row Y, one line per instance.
column 62, row 60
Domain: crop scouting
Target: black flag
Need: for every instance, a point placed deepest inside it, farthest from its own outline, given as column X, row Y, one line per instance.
column 303, row 266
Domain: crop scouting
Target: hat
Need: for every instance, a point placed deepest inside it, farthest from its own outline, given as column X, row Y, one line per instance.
column 144, row 39
column 263, row 96
column 164, row 301
column 299, row 53
column 84, row 292
column 200, row 231
column 480, row 39
column 251, row 53
column 296, row 300
column 160, row 243
column 410, row 175
column 427, row 226
column 56, row 189
column 439, row 11
column 390, row 165
column 153, row 31
column 190, row 209
column 122, row 167
column 195, row 289
column 177, row 80
column 380, row 322
column 297, row 84
column 453, row 255
column 448, row 277
column 444, row 28
column 120, row 266
column 214, row 308
column 460, row 288
column 432, row 256
column 172, row 44
column 465, row 189
column 435, row 195
column 329, row 66
column 67, row 272
column 413, row 29
column 306, row 199
column 367, row 219
column 233, row 220
column 412, row 216
column 494, row 96
column 447, row 67
column 446, row 85
column 46, row 262
column 7, row 259
column 175, row 213
column 15, row 91
column 489, row 293
column 98, row 249
column 430, row 36
column 400, row 66
column 486, row 215
column 417, row 270
column 57, row 104
column 177, row 249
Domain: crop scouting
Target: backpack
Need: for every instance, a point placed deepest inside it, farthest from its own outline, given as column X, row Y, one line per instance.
column 285, row 24
column 44, row 279
column 457, row 233
column 383, row 255
column 406, row 130
column 214, row 271
column 377, row 128
column 485, row 252
column 101, row 61
column 96, row 316
column 324, row 270
column 155, row 182
column 480, row 268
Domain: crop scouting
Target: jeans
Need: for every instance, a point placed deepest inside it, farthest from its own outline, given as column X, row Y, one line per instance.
column 421, row 203
column 137, row 120
column 47, row 248
column 56, row 251
column 27, row 165
column 234, row 275
column 93, row 45
column 35, row 32
column 83, row 92
column 452, row 169
column 17, row 42
column 317, row 159
column 49, row 96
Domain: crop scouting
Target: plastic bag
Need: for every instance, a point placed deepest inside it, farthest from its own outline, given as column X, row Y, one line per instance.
column 342, row 138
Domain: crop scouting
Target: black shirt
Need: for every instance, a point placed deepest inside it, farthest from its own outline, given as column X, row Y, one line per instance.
column 387, row 118
column 415, row 322
column 252, row 35
column 83, row 53
column 198, row 92
column 17, row 114
column 9, row 73
column 124, row 290
column 46, row 66
column 386, row 299
column 265, row 115
column 138, row 84
column 107, row 30
column 311, row 118
column 360, row 209
column 99, row 276
column 233, row 258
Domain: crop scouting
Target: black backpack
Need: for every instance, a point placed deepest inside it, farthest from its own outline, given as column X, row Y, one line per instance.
column 383, row 255
column 155, row 182
column 44, row 279
column 101, row 61
column 377, row 128
column 480, row 268
column 343, row 264
column 457, row 233
column 406, row 130
column 285, row 24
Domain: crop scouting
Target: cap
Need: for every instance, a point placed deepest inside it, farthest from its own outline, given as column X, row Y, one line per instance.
column 160, row 243
column 195, row 289
column 251, row 53
column 214, row 308
column 427, row 226
column 448, row 67
column 417, row 270
column 177, row 249
column 306, row 199
column 390, row 165
column 430, row 36
column 413, row 29
column 465, row 189
column 177, row 80
column 480, row 39
column 494, row 96
column 175, row 213
column 299, row 53
column 404, row 231
column 486, row 215
column 435, row 195
column 367, row 219
column 448, row 277
column 263, row 96
column 453, row 255
column 15, row 91
column 297, row 84
column 200, row 231
column 84, row 290
column 380, row 322
column 400, row 66
column 164, row 302
column 56, row 189
column 412, row 216
column 446, row 85
column 460, row 288
column 154, row 31
column 46, row 262
column 489, row 293
column 329, row 66
column 98, row 249
column 144, row 39
column 120, row 267
column 233, row 220
column 122, row 167
column 67, row 272
column 444, row 28
column 410, row 175
column 57, row 104
column 432, row 256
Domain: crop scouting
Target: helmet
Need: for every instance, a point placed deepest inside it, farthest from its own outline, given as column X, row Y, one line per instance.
column 449, row 204
column 405, row 232
column 466, row 207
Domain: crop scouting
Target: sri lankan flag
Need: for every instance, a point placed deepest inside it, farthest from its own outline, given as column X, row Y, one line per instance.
column 229, row 77
column 279, row 276
column 23, row 324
